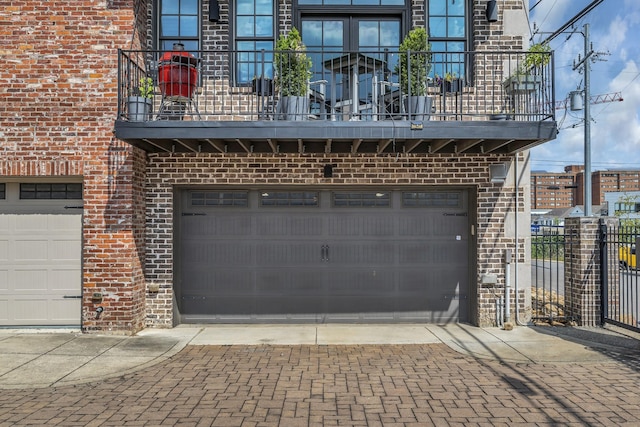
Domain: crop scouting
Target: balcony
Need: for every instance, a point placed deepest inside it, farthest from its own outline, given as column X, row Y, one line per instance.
column 206, row 101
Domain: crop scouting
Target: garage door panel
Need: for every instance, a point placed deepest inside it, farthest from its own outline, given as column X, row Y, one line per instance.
column 287, row 253
column 64, row 281
column 270, row 224
column 365, row 252
column 362, row 281
column 4, row 249
column 289, row 282
column 30, row 250
column 29, row 281
column 66, row 250
column 331, row 262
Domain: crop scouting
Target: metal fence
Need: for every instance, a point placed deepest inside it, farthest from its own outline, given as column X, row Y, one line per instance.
column 550, row 250
column 239, row 85
column 620, row 276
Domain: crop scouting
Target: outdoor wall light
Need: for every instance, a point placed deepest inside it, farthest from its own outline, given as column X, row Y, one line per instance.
column 327, row 171
column 498, row 173
column 492, row 11
column 214, row 11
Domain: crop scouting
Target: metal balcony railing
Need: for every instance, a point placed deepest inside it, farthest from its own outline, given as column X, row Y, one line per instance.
column 340, row 86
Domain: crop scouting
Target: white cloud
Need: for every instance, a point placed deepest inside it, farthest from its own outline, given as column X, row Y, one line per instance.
column 615, row 129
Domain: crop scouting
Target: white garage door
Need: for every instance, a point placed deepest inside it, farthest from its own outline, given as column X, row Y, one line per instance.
column 40, row 254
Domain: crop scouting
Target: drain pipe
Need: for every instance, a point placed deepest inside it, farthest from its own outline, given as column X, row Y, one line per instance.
column 515, row 252
column 507, row 287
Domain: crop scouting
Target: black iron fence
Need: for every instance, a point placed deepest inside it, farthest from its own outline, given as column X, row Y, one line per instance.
column 550, row 252
column 336, row 86
column 620, row 276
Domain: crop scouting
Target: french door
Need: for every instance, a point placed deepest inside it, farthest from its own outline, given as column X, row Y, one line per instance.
column 331, row 37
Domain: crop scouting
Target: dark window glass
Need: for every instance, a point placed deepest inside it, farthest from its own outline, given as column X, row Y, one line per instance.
column 289, row 198
column 179, row 21
column 254, row 32
column 352, row 2
column 46, row 191
column 362, row 199
column 3, row 191
column 219, row 198
column 448, row 35
column 434, row 199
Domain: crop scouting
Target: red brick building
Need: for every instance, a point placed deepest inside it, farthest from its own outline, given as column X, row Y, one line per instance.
column 370, row 213
column 550, row 190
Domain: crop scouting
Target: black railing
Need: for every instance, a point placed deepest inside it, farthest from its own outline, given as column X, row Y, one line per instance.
column 233, row 85
column 550, row 253
column 620, row 276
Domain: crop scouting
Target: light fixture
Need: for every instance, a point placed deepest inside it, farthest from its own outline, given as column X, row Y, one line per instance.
column 327, row 171
column 214, row 11
column 498, row 172
column 492, row 11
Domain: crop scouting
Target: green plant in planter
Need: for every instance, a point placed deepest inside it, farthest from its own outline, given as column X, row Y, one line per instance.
column 292, row 64
column 528, row 75
column 414, row 62
column 144, row 88
column 537, row 56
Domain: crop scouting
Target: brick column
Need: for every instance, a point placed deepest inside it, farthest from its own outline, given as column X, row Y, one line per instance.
column 582, row 275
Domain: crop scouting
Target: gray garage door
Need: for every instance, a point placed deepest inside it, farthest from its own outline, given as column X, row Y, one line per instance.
column 40, row 254
column 321, row 256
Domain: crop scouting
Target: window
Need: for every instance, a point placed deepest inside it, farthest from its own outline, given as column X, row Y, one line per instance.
column 435, row 199
column 219, row 198
column 364, row 199
column 254, row 25
column 179, row 22
column 353, row 2
column 54, row 191
column 448, row 34
column 289, row 198
column 3, row 191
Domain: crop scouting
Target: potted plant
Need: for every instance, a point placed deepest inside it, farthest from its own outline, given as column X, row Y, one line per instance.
column 449, row 83
column 413, row 67
column 528, row 75
column 293, row 70
column 139, row 102
column 262, row 85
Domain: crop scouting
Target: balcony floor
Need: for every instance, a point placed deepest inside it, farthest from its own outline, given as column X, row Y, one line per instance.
column 320, row 136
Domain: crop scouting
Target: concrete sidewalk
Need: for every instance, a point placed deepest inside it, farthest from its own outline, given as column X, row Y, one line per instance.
column 44, row 358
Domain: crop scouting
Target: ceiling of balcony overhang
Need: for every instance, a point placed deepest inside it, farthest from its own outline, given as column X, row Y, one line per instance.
column 449, row 137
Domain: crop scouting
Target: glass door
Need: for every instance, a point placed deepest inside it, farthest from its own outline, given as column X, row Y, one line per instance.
column 353, row 55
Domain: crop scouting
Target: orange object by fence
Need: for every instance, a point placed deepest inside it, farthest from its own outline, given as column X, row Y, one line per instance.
column 178, row 73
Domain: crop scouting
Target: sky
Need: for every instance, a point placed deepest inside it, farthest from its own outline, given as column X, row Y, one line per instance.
column 614, row 31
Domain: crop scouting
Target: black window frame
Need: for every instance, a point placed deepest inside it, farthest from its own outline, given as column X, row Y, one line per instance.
column 466, row 40
column 258, row 58
column 186, row 40
column 51, row 191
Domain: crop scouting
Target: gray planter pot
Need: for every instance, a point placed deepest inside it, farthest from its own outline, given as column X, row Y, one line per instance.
column 522, row 83
column 294, row 108
column 138, row 108
column 418, row 107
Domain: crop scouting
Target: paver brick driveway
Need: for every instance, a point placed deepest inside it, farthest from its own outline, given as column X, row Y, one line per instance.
column 347, row 385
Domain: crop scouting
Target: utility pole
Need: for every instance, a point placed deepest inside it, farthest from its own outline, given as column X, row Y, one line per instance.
column 587, row 121
column 584, row 62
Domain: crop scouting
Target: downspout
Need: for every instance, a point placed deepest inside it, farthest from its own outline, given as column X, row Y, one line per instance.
column 515, row 250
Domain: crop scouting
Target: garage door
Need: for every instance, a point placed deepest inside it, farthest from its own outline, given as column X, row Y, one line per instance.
column 322, row 256
column 40, row 254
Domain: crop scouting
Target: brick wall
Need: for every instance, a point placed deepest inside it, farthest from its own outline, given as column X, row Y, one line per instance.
column 57, row 105
column 494, row 200
column 582, row 275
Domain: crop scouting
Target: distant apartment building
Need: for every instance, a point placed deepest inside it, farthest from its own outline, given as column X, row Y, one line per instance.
column 552, row 190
